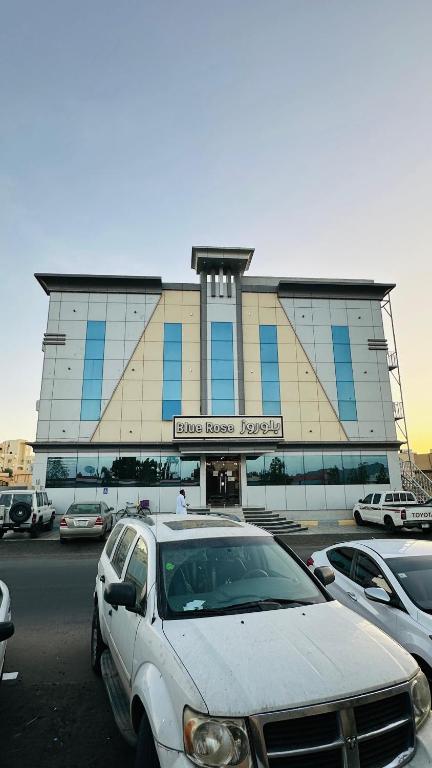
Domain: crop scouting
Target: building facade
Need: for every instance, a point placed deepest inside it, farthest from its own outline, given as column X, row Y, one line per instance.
column 16, row 460
column 253, row 391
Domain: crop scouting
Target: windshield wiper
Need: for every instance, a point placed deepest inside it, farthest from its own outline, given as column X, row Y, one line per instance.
column 265, row 604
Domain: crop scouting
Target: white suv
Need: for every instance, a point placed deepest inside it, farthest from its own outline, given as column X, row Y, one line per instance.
column 25, row 510
column 219, row 648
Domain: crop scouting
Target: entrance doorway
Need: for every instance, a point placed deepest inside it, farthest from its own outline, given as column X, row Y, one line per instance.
column 223, row 481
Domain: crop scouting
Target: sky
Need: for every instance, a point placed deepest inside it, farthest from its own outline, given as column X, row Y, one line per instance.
column 130, row 131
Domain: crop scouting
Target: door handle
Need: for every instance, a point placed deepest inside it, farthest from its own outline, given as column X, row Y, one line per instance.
column 352, row 596
column 102, row 579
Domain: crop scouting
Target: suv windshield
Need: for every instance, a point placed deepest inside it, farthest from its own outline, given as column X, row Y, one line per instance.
column 230, row 575
column 414, row 574
column 84, row 509
column 12, row 498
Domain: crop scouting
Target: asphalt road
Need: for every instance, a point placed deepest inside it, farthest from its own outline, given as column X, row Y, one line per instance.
column 57, row 715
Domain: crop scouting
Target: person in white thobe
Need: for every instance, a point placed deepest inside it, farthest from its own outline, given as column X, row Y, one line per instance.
column 181, row 506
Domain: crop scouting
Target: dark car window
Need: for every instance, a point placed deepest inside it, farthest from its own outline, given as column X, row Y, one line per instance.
column 84, row 509
column 377, row 498
column 367, row 499
column 410, row 497
column 122, row 550
column 13, row 498
column 396, row 497
column 112, row 540
column 341, row 559
column 389, row 497
column 136, row 573
column 39, row 501
column 46, row 499
column 414, row 574
column 367, row 573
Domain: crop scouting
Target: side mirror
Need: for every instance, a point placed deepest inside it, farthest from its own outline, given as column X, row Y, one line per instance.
column 377, row 595
column 6, row 630
column 49, row 502
column 325, row 575
column 120, row 594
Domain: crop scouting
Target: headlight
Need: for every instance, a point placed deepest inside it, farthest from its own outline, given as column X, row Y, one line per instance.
column 215, row 741
column 421, row 699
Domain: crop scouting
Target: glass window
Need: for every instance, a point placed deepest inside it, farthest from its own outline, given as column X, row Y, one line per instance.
column 90, row 410
column 341, row 559
column 368, row 499
column 39, row 501
column 223, row 389
column 87, row 470
column 169, row 470
column 313, row 469
column 172, row 390
column 122, row 550
column 270, row 372
column 84, row 509
column 94, row 349
column 342, row 353
column 368, row 574
column 340, row 334
column 147, row 470
column 172, row 332
column 269, row 353
column 93, row 369
column 61, row 471
column 275, row 469
column 92, row 389
column 7, row 499
column 105, row 469
column 255, row 470
column 411, row 497
column 271, row 408
column 376, row 498
column 222, row 369
column 403, row 497
column 172, row 350
column 389, row 497
column 347, row 410
column 223, row 407
column 376, row 469
column 172, row 370
column 136, row 574
column 190, row 470
column 221, row 350
column 353, row 473
column 171, row 408
column 112, row 539
column 221, row 331
column 268, row 334
column 270, row 390
column 45, row 498
column 123, row 469
column 345, row 390
column 333, row 469
column 294, row 468
column 414, row 574
column 344, row 372
column 96, row 329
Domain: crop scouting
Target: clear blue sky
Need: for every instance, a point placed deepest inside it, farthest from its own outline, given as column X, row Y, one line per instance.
column 131, row 130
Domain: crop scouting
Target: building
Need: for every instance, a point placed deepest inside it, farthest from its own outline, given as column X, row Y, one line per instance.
column 16, row 462
column 258, row 391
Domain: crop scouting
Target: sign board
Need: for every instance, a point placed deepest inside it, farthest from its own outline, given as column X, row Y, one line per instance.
column 228, row 427
column 105, row 490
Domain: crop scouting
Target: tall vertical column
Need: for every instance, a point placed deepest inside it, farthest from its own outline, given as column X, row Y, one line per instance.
column 240, row 359
column 203, row 340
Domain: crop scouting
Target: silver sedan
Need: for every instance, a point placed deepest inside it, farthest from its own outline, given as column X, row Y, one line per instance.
column 86, row 520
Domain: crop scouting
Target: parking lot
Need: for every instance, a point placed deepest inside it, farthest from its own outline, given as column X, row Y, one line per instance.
column 56, row 713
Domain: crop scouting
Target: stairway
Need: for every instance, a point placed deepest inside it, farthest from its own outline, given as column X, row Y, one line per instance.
column 273, row 522
column 414, row 480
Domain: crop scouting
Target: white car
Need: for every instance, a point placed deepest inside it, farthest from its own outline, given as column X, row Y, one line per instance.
column 389, row 582
column 394, row 510
column 25, row 511
column 6, row 626
column 219, row 648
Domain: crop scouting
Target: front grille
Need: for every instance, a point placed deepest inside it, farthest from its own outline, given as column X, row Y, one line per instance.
column 372, row 731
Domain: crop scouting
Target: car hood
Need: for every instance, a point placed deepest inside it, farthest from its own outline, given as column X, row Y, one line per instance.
column 277, row 659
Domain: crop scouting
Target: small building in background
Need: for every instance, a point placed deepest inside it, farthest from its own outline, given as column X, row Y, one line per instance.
column 16, row 462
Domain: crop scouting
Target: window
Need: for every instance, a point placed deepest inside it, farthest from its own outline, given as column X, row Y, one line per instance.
column 368, row 574
column 45, row 497
column 222, row 369
column 367, row 499
column 190, row 470
column 341, row 560
column 389, row 497
column 313, row 469
column 115, row 533
column 61, row 471
column 122, row 550
column 344, row 373
column 39, row 501
column 172, row 371
column 411, row 497
column 333, row 469
column 93, row 371
column 136, row 574
column 87, row 470
column 270, row 387
column 376, row 498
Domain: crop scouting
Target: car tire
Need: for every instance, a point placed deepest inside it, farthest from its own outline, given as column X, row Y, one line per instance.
column 34, row 532
column 97, row 645
column 49, row 525
column 146, row 754
column 358, row 518
column 20, row 512
column 2, row 533
column 389, row 524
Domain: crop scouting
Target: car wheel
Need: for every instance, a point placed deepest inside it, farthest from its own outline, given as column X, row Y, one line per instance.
column 358, row 518
column 20, row 512
column 389, row 524
column 2, row 533
column 146, row 754
column 97, row 645
column 34, row 532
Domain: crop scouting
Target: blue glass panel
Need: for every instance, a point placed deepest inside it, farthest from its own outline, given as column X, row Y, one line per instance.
column 221, row 331
column 93, row 369
column 342, row 353
column 269, row 353
column 223, row 407
column 347, row 410
column 345, row 390
column 221, row 350
column 94, row 349
column 90, row 410
column 172, row 350
column 340, row 334
column 269, row 372
column 270, row 390
column 172, row 370
column 96, row 329
column 92, row 389
column 171, row 390
column 170, row 408
column 268, row 334
column 271, row 408
column 222, row 369
column 344, row 372
column 172, row 332
column 313, row 469
column 222, row 389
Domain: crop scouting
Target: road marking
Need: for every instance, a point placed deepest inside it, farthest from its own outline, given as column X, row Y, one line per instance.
column 346, row 522
column 309, row 522
column 9, row 676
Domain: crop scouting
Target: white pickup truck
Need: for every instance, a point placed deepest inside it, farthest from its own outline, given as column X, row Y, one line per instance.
column 394, row 510
column 219, row 648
